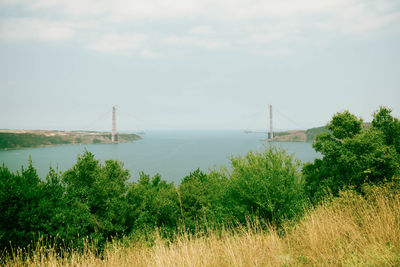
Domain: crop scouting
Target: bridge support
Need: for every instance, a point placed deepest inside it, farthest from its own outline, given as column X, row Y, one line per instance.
column 271, row 133
column 113, row 125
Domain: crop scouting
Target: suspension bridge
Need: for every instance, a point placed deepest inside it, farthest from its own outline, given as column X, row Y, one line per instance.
column 123, row 115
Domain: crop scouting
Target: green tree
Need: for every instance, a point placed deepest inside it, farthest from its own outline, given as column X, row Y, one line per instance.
column 353, row 156
column 267, row 185
column 203, row 199
column 29, row 207
column 389, row 125
column 96, row 193
column 344, row 125
column 193, row 199
column 152, row 203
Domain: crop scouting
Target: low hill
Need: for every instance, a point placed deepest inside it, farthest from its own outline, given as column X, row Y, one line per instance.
column 12, row 139
column 291, row 136
column 299, row 135
column 313, row 132
column 304, row 136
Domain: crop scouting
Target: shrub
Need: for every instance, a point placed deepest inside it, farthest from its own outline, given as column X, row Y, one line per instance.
column 266, row 185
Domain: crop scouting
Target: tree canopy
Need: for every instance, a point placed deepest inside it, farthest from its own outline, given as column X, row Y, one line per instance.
column 354, row 155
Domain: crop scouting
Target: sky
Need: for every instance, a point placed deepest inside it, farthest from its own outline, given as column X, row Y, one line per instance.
column 191, row 64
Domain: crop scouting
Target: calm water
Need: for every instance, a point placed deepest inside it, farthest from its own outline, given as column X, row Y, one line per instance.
column 173, row 154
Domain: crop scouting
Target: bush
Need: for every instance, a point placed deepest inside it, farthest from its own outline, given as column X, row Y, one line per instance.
column 204, row 200
column 152, row 203
column 266, row 185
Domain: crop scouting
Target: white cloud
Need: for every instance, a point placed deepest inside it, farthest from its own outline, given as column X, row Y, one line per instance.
column 195, row 41
column 245, row 25
column 22, row 29
column 146, row 53
column 118, row 43
column 360, row 19
column 182, row 9
column 123, row 10
column 202, row 30
column 273, row 52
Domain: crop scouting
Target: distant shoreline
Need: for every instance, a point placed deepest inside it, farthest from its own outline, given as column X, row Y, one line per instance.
column 289, row 136
column 295, row 135
column 17, row 139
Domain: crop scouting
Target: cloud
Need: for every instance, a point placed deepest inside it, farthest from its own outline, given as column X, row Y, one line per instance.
column 184, row 9
column 195, row 41
column 273, row 52
column 117, row 26
column 124, row 44
column 32, row 29
column 115, row 43
column 149, row 54
column 202, row 30
column 358, row 21
column 133, row 10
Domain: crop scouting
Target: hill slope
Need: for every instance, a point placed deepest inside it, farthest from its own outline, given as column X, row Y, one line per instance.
column 11, row 139
column 299, row 135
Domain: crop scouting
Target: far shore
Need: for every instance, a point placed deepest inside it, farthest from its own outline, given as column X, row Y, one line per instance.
column 16, row 139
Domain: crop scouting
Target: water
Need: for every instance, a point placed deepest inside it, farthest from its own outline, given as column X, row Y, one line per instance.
column 173, row 154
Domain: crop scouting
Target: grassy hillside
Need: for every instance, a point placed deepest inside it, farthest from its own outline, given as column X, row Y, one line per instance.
column 304, row 136
column 290, row 136
column 351, row 230
column 313, row 132
column 299, row 135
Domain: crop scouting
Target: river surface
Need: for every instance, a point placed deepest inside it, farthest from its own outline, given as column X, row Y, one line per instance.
column 173, row 154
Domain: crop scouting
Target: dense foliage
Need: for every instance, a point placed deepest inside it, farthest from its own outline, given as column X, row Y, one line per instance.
column 353, row 155
column 314, row 132
column 95, row 201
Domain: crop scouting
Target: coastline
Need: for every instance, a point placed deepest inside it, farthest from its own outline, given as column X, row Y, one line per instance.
column 20, row 139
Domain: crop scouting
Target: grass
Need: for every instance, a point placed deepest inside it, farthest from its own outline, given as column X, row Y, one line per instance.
column 351, row 230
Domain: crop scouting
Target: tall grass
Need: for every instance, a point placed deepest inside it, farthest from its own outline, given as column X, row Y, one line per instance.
column 351, row 230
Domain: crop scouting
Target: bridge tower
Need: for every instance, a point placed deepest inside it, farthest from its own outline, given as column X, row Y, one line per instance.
column 114, row 127
column 271, row 133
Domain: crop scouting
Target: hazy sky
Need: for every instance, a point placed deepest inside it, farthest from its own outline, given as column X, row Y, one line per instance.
column 195, row 64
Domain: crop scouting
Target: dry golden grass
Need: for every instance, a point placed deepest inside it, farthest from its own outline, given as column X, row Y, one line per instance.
column 349, row 231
